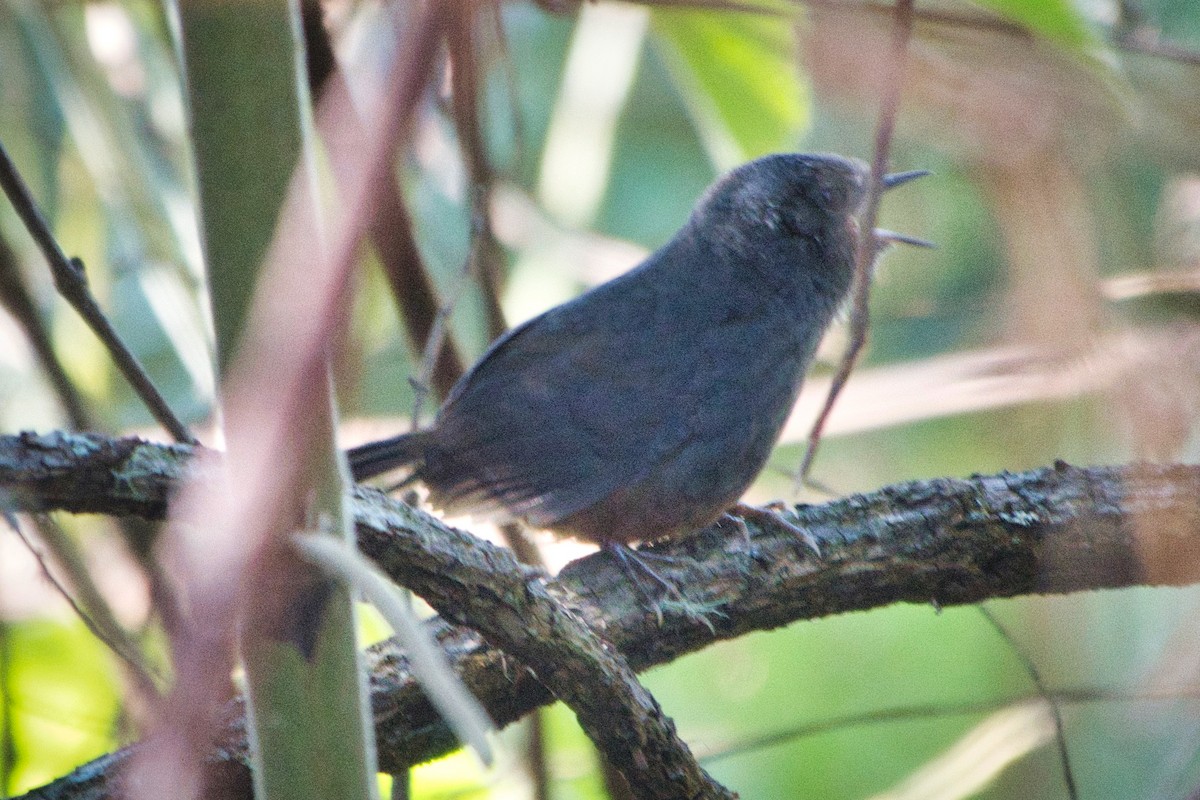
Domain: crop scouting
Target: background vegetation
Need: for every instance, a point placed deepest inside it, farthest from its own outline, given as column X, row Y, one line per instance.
column 1057, row 319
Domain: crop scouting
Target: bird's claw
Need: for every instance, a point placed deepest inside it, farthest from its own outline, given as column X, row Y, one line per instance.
column 772, row 516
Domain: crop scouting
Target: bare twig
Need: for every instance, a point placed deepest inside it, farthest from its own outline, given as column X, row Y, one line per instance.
column 14, row 295
column 72, row 283
column 935, row 711
column 435, row 342
column 104, row 627
column 868, row 246
column 413, row 289
column 463, row 42
column 1060, row 735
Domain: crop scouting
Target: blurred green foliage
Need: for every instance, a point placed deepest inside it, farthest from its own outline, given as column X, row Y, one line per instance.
column 100, row 136
column 1057, row 20
column 62, row 697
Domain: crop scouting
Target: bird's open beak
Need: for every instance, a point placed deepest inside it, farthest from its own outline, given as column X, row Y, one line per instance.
column 887, row 237
column 901, row 178
column 884, row 236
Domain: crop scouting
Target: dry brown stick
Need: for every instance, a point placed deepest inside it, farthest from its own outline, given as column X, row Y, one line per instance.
column 868, row 245
column 391, row 227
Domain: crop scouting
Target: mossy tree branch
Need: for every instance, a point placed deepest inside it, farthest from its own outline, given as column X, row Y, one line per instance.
column 1052, row 530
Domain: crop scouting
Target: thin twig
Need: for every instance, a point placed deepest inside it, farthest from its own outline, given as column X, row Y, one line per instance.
column 112, row 639
column 411, row 284
column 868, row 246
column 1060, row 735
column 67, row 556
column 433, row 344
column 15, row 297
column 71, row 281
column 438, row 332
column 928, row 711
column 463, row 45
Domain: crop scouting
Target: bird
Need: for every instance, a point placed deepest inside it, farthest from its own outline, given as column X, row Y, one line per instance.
column 643, row 408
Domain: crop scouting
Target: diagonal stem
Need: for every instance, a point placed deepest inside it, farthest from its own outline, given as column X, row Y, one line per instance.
column 868, row 248
column 72, row 284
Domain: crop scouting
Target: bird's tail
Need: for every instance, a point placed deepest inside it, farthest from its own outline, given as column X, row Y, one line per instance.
column 375, row 458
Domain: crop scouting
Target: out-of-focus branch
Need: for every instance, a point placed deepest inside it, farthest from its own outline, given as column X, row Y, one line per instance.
column 15, row 297
column 1149, row 42
column 391, row 228
column 463, row 45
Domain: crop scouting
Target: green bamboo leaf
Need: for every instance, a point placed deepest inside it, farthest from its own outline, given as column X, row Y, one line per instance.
column 240, row 62
column 1059, row 21
column 738, row 76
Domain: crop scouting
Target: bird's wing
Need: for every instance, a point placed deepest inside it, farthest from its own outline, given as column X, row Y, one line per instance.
column 568, row 407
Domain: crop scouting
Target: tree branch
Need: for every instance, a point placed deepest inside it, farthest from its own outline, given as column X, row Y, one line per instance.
column 1052, row 530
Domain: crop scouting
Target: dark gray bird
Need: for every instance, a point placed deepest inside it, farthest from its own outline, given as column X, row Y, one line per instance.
column 645, row 407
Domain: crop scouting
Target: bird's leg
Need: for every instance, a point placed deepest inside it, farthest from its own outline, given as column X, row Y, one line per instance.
column 631, row 561
column 634, row 562
column 769, row 516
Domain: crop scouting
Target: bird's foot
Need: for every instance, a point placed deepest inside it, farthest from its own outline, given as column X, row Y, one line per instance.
column 770, row 516
column 668, row 597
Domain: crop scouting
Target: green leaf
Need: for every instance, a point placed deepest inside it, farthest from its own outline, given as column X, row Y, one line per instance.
column 61, row 699
column 737, row 74
column 1057, row 20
